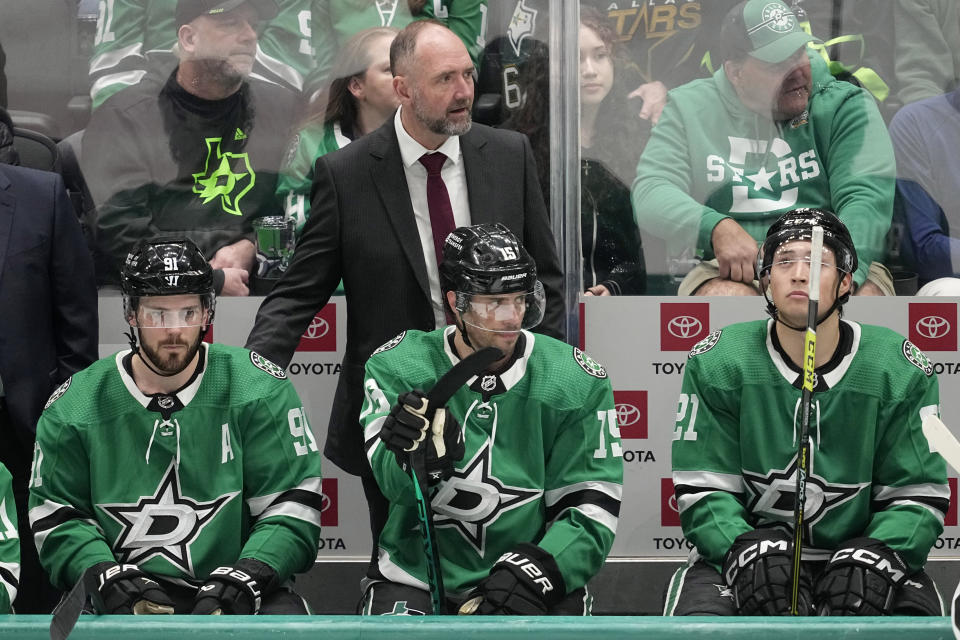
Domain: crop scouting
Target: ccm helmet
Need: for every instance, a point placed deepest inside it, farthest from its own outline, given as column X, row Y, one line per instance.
column 798, row 225
column 166, row 267
column 487, row 259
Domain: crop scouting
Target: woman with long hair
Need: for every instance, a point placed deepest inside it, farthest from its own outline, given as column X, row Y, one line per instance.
column 359, row 99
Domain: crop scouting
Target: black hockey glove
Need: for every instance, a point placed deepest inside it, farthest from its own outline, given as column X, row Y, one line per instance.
column 757, row 569
column 406, row 428
column 525, row 581
column 861, row 579
column 123, row 588
column 235, row 590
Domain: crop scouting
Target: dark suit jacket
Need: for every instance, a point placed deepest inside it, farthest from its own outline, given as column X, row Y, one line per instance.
column 362, row 229
column 48, row 298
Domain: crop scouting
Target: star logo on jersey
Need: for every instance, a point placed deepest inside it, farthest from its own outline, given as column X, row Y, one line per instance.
column 773, row 495
column 473, row 498
column 522, row 24
column 225, row 175
column 164, row 524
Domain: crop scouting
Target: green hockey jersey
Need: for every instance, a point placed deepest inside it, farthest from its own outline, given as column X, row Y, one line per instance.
column 9, row 543
column 180, row 484
column 871, row 471
column 543, row 461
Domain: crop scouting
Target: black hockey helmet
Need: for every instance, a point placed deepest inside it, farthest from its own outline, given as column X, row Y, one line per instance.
column 487, row 259
column 166, row 267
column 798, row 225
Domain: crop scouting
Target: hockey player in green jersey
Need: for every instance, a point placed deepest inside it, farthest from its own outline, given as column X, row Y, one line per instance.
column 875, row 494
column 526, row 489
column 9, row 544
column 177, row 476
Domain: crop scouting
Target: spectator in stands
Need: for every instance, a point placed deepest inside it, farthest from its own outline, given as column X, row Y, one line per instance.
column 134, row 39
column 770, row 131
column 359, row 100
column 926, row 136
column 196, row 155
column 48, row 332
column 927, row 48
column 610, row 144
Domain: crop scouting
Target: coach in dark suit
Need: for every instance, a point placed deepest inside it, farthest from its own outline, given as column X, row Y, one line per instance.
column 369, row 224
column 48, row 332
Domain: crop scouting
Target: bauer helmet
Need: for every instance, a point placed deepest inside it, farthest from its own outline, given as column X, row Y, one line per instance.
column 488, row 260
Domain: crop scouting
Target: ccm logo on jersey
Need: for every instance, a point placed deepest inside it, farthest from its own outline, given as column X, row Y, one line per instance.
column 528, row 567
column 867, row 557
column 754, row 551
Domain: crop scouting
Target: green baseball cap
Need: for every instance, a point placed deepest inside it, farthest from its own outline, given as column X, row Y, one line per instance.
column 767, row 30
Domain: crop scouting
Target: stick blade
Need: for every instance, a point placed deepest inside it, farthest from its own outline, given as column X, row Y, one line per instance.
column 941, row 440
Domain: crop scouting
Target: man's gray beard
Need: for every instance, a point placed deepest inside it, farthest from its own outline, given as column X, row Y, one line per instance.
column 441, row 126
column 216, row 71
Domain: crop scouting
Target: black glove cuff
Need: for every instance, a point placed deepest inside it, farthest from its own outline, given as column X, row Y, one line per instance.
column 532, row 565
column 873, row 555
column 253, row 578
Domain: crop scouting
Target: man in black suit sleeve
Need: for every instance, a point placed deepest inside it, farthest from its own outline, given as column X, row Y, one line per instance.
column 369, row 224
column 48, row 332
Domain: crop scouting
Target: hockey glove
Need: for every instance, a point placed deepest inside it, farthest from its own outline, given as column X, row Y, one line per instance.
column 406, row 428
column 235, row 590
column 861, row 579
column 123, row 588
column 525, row 581
column 757, row 568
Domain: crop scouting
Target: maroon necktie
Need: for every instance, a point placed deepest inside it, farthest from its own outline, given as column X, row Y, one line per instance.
column 438, row 201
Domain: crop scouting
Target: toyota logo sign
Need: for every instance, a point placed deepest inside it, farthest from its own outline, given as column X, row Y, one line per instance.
column 684, row 327
column 627, row 415
column 683, row 324
column 932, row 327
column 669, row 510
column 318, row 328
column 631, row 409
column 328, row 503
column 321, row 333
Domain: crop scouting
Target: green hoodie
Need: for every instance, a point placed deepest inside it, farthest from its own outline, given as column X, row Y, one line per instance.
column 710, row 157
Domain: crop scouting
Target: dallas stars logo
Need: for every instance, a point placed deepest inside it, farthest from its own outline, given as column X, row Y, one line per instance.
column 472, row 499
column 773, row 495
column 219, row 180
column 164, row 524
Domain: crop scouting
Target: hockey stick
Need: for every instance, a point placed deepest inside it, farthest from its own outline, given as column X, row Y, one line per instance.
column 437, row 397
column 67, row 611
column 941, row 440
column 806, row 402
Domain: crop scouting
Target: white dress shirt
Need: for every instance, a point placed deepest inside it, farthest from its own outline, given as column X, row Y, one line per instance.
column 455, row 179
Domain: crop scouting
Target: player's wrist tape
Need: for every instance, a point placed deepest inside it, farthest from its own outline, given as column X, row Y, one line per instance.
column 237, row 589
column 124, row 588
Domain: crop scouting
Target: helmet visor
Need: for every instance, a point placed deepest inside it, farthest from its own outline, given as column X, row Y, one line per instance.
column 170, row 312
column 503, row 312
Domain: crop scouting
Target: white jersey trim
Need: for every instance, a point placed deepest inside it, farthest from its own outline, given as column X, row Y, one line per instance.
column 110, row 59
column 185, row 395
column 612, row 489
column 14, row 568
column 394, row 573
